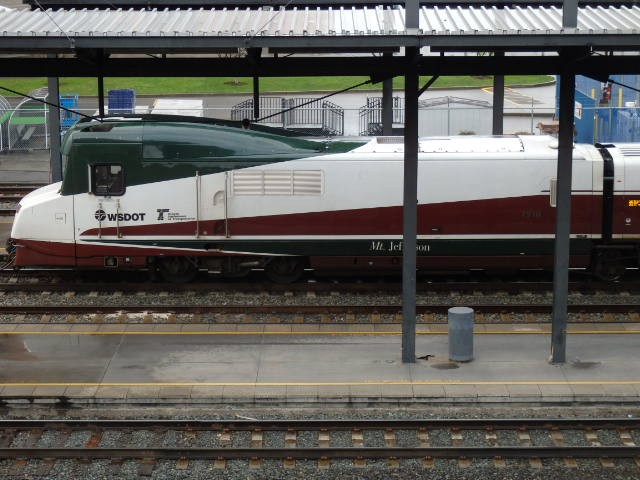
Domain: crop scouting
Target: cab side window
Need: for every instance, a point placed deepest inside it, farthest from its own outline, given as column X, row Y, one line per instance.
column 107, row 179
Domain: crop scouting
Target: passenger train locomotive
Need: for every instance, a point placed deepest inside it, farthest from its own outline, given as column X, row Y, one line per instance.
column 178, row 194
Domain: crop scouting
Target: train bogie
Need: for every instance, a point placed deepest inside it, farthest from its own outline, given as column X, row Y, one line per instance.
column 177, row 196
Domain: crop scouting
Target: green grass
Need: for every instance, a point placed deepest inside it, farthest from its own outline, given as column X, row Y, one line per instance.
column 193, row 85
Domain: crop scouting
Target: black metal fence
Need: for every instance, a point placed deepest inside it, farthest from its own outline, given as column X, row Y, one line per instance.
column 371, row 115
column 302, row 114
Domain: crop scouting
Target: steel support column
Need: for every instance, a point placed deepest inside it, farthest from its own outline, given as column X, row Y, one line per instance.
column 101, row 96
column 55, row 161
column 498, row 102
column 410, row 210
column 256, row 98
column 387, row 104
column 410, row 200
column 563, row 219
column 566, row 109
column 570, row 13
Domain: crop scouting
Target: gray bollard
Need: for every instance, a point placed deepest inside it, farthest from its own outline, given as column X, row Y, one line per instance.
column 460, row 320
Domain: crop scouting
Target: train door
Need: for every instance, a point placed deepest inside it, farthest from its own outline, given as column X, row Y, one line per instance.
column 615, row 212
column 629, row 220
column 108, row 189
column 583, row 198
column 104, row 214
column 212, row 205
column 108, row 202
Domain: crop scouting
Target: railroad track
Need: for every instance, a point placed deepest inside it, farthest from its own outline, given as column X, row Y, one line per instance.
column 15, row 192
column 12, row 194
column 299, row 303
column 530, row 440
column 35, row 284
column 303, row 309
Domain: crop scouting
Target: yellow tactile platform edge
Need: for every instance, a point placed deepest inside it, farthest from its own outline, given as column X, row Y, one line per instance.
column 303, row 329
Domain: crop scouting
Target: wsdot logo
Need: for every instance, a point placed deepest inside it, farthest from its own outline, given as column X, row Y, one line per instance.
column 101, row 216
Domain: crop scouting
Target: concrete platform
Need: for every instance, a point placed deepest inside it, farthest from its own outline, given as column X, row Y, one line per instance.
column 164, row 364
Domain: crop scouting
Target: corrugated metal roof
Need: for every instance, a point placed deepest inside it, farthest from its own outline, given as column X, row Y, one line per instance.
column 246, row 22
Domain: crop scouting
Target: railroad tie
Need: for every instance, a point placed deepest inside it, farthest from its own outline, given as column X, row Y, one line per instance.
column 290, row 441
column 324, row 441
column 525, row 440
column 146, row 466
column 627, row 441
column 425, row 442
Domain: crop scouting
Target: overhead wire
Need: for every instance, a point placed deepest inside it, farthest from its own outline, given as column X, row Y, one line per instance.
column 72, row 43
column 273, row 17
column 609, row 80
column 51, row 104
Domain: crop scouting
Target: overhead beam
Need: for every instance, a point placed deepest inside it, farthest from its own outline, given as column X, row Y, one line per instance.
column 286, row 67
column 477, row 42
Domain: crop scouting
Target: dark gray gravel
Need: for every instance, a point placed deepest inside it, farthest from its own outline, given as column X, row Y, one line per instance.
column 187, row 298
column 441, row 469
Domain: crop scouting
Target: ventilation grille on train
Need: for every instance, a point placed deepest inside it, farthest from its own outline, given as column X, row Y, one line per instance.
column 277, row 182
column 630, row 151
column 390, row 139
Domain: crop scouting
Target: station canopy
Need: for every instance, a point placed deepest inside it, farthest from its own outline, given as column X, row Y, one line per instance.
column 278, row 41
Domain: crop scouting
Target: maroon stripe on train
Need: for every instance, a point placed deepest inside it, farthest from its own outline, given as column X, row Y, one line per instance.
column 34, row 252
column 497, row 216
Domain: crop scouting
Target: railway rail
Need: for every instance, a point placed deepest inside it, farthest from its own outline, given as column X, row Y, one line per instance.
column 302, row 309
column 12, row 194
column 306, row 314
column 69, row 301
column 307, row 302
column 10, row 282
column 18, row 190
column 219, row 441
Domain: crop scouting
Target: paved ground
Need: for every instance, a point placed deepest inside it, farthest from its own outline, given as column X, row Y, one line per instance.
column 311, row 363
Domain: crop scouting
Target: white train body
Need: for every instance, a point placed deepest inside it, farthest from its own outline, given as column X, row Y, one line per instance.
column 177, row 195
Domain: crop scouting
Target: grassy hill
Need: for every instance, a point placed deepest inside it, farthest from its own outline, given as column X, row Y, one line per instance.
column 226, row 85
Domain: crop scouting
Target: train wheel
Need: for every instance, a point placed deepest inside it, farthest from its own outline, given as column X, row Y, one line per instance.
column 177, row 269
column 608, row 266
column 284, row 269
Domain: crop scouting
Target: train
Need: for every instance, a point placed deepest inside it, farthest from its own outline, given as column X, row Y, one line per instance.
column 179, row 195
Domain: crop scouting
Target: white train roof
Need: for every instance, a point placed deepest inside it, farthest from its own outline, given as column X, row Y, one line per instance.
column 532, row 144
